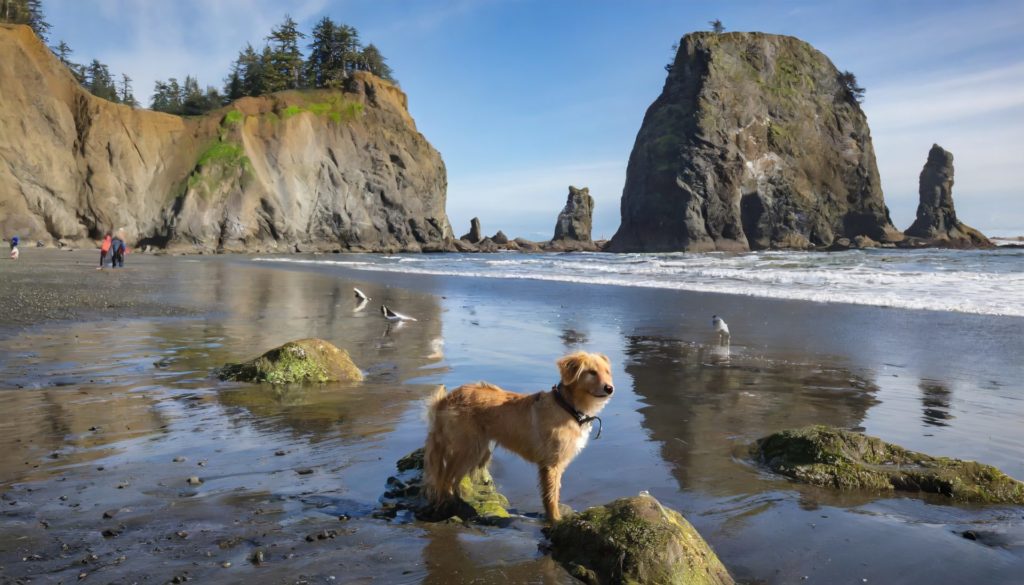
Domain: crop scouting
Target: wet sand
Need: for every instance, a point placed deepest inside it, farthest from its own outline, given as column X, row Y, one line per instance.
column 112, row 408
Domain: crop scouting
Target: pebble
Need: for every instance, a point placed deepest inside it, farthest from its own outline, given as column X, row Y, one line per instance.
column 970, row 535
column 279, row 453
column 181, row 534
column 179, row 459
column 226, row 564
column 110, row 513
column 257, row 558
column 304, row 471
column 194, row 480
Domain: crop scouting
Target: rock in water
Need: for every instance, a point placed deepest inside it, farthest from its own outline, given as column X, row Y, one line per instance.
column 475, row 235
column 846, row 460
column 323, row 169
column 480, row 500
column 305, row 360
column 575, row 220
column 936, row 218
column 753, row 143
column 635, row 540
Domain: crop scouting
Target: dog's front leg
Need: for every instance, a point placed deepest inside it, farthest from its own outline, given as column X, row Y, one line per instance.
column 550, row 486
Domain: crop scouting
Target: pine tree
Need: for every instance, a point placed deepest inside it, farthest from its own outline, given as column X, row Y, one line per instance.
column 126, row 95
column 28, row 12
column 99, row 82
column 348, row 51
column 285, row 64
column 849, row 87
column 233, row 88
column 375, row 63
column 63, row 52
column 717, row 26
column 192, row 100
column 321, row 53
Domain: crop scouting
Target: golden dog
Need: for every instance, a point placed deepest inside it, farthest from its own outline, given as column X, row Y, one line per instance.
column 546, row 428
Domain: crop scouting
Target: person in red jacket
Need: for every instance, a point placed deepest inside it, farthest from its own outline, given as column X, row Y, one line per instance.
column 104, row 250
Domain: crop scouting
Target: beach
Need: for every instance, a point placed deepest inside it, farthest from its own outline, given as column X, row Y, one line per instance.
column 110, row 405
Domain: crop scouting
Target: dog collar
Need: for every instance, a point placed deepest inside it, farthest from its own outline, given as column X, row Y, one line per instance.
column 581, row 418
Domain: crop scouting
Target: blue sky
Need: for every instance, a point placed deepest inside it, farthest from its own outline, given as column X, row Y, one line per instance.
column 525, row 97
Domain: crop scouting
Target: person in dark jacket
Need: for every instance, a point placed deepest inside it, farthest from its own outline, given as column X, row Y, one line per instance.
column 117, row 252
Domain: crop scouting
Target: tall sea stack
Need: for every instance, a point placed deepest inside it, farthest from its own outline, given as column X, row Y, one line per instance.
column 936, row 218
column 753, row 143
column 317, row 169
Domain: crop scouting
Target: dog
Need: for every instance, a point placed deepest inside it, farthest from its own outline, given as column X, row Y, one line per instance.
column 545, row 428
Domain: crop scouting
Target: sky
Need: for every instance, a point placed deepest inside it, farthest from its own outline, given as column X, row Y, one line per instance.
column 526, row 97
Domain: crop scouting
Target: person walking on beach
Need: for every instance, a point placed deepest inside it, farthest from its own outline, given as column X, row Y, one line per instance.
column 104, row 250
column 117, row 250
column 14, row 248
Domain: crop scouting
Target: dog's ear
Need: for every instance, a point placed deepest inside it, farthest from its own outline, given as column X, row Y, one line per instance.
column 604, row 358
column 571, row 366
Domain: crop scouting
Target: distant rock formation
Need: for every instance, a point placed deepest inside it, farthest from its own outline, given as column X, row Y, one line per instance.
column 936, row 218
column 572, row 230
column 753, row 143
column 310, row 170
column 576, row 218
column 475, row 235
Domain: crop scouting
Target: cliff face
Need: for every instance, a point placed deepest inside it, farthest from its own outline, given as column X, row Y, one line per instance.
column 752, row 144
column 312, row 169
column 936, row 217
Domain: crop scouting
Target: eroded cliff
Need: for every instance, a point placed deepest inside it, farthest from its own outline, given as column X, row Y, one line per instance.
column 753, row 143
column 317, row 170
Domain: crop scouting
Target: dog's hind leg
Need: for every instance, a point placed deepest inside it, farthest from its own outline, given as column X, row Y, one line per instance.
column 550, row 488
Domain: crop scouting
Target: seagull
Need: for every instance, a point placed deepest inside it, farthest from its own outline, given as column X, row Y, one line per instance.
column 361, row 295
column 721, row 329
column 393, row 316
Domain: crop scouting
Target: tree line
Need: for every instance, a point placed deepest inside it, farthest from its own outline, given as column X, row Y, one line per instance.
column 94, row 76
column 335, row 53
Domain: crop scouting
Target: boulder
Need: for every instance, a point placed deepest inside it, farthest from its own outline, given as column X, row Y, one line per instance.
column 500, row 238
column 480, row 500
column 527, row 245
column 936, row 217
column 575, row 220
column 304, row 360
column 476, row 234
column 635, row 540
column 846, row 460
column 754, row 143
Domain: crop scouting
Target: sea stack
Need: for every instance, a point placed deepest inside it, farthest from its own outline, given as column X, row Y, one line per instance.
column 572, row 230
column 754, row 143
column 936, row 218
column 476, row 234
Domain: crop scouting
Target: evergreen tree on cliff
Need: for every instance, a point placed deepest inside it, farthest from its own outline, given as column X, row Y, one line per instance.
column 28, row 12
column 375, row 63
column 99, row 82
column 284, row 68
column 322, row 54
column 126, row 95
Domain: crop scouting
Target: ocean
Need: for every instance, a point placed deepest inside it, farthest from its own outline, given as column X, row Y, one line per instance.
column 989, row 282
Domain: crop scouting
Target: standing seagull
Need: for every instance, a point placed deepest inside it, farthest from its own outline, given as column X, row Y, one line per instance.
column 393, row 316
column 360, row 295
column 721, row 329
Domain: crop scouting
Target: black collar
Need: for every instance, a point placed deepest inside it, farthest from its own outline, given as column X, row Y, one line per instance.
column 581, row 418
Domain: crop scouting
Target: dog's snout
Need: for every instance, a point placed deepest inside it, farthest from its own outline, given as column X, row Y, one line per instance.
column 609, row 388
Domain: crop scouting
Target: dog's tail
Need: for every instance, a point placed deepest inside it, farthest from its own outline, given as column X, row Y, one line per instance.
column 433, row 450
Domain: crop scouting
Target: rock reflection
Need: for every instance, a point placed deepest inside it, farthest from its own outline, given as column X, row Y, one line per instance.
column 453, row 555
column 935, row 403
column 704, row 404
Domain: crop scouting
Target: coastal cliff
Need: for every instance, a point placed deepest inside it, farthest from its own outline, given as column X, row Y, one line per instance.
column 753, row 143
column 309, row 170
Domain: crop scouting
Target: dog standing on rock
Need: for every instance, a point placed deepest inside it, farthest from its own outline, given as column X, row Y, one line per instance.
column 546, row 428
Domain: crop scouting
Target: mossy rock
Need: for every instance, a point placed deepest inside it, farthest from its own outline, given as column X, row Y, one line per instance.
column 635, row 540
column 305, row 360
column 846, row 460
column 479, row 502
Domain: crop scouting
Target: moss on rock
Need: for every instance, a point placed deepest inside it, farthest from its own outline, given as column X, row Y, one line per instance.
column 635, row 540
column 480, row 500
column 305, row 360
column 846, row 460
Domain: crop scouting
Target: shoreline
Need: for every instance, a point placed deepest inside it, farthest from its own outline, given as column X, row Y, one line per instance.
column 944, row 384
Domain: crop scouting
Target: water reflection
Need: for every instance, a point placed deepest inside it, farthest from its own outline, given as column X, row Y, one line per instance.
column 935, row 403
column 703, row 403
